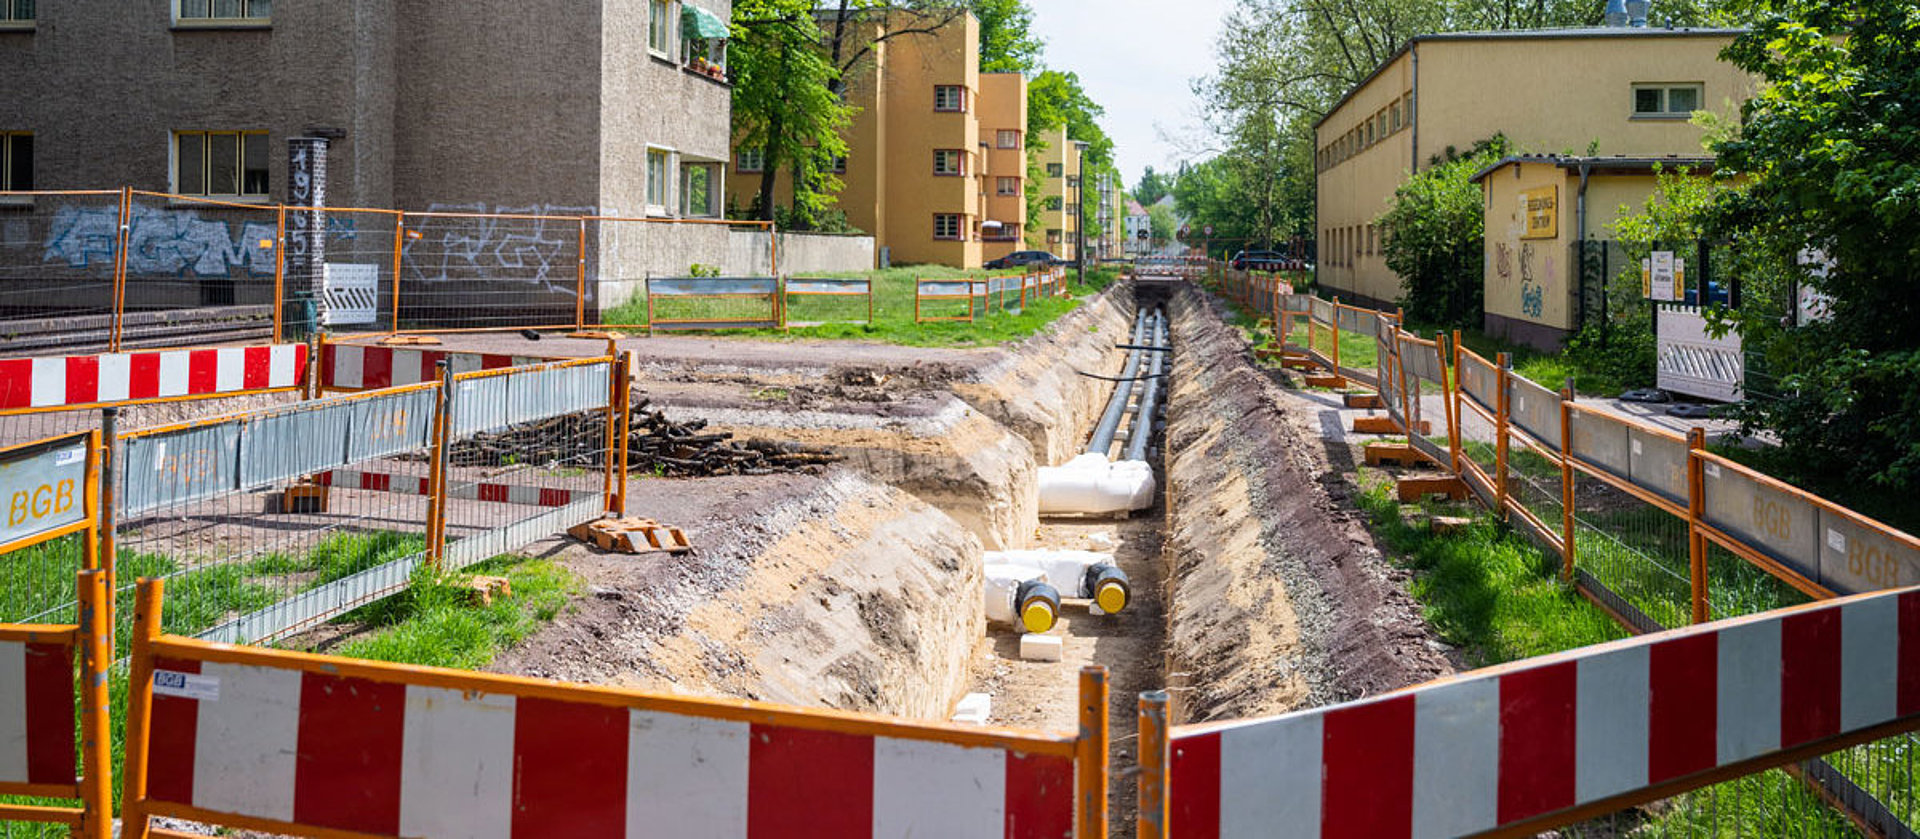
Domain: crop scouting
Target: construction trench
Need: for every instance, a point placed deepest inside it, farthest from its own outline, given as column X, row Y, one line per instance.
column 1243, row 582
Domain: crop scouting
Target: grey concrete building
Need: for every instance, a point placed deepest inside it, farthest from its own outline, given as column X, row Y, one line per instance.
column 427, row 102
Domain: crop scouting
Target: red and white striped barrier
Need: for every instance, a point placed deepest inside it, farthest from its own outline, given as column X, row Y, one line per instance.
column 362, row 367
column 36, row 714
column 1506, row 745
column 81, row 380
column 349, row 753
column 472, row 491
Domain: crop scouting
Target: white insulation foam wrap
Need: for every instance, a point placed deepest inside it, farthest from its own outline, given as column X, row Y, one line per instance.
column 1093, row 485
column 1002, row 587
column 1066, row 571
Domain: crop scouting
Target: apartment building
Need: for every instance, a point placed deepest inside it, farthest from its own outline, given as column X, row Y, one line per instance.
column 545, row 103
column 1058, row 227
column 1618, row 90
column 1139, row 226
column 936, row 152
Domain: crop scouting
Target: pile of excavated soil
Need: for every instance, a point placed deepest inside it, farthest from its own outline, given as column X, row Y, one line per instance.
column 1279, row 598
column 818, row 591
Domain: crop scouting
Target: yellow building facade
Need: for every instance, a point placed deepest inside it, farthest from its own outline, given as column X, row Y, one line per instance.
column 929, row 147
column 1057, row 228
column 1602, row 91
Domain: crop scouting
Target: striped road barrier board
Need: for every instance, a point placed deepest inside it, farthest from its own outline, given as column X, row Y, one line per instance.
column 74, row 381
column 1610, row 725
column 472, row 491
column 361, row 367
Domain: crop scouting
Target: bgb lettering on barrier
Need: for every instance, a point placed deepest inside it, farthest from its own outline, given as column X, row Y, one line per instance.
column 46, row 485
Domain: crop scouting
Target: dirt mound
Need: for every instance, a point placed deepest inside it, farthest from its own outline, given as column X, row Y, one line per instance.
column 1279, row 598
column 821, row 591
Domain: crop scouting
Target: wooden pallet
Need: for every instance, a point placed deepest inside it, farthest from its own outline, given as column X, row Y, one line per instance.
column 632, row 536
column 1412, row 489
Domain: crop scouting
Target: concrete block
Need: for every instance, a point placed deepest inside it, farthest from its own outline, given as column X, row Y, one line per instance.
column 973, row 709
column 1042, row 647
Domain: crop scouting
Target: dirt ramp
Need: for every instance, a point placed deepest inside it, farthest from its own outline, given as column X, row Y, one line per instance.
column 829, row 591
column 1279, row 598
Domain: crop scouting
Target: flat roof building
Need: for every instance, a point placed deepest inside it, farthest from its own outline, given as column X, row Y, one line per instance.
column 1603, row 91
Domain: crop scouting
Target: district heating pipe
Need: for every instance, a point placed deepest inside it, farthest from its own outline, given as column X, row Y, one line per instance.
column 1142, row 429
column 1122, row 391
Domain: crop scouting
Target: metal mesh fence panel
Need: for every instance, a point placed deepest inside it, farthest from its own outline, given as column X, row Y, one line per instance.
column 354, row 271
column 713, row 302
column 57, row 257
column 199, row 272
column 815, row 302
column 1636, row 550
column 36, row 585
column 491, row 271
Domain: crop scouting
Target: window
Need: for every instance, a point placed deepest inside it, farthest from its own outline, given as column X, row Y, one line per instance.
column 1008, row 139
column 949, row 97
column 1073, row 211
column 1053, row 237
column 229, row 163
column 657, row 169
column 16, row 162
column 1054, row 170
column 660, row 26
column 700, row 190
column 1666, row 100
column 1073, row 182
column 749, row 161
column 217, row 11
column 946, row 226
column 16, row 12
column 1007, row 186
column 1054, row 202
column 949, row 162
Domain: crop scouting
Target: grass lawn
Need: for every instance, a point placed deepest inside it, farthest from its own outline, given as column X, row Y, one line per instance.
column 436, row 621
column 893, row 310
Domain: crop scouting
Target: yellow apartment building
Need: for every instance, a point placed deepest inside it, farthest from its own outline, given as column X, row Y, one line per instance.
column 931, row 145
column 1615, row 90
column 1058, row 226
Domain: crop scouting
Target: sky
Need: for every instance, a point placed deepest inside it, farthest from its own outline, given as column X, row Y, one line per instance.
column 1137, row 58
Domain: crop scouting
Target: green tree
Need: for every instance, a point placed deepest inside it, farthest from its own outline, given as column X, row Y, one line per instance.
column 1055, row 100
column 784, row 103
column 1163, row 224
column 1436, row 238
column 1152, row 187
column 1007, row 43
column 1829, row 160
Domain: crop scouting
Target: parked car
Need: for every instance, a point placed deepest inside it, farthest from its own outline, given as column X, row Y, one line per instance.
column 1260, row 261
column 1022, row 258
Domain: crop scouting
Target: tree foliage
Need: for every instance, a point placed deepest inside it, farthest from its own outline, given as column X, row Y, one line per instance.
column 1436, row 240
column 1829, row 160
column 1007, row 43
column 1152, row 187
column 1056, row 100
column 784, row 102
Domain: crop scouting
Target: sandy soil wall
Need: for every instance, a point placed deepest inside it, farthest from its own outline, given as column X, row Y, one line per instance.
column 1279, row 599
column 1036, row 388
column 829, row 591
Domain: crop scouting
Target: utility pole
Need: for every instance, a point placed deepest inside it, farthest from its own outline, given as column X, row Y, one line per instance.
column 1080, row 213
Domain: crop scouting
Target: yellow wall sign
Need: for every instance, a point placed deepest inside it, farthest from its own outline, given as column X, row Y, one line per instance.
column 1542, row 210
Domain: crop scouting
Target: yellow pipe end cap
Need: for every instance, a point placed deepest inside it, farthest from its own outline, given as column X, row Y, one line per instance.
column 1112, row 597
column 1037, row 616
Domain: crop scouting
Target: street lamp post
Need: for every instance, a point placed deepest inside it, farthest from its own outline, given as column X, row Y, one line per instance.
column 1080, row 216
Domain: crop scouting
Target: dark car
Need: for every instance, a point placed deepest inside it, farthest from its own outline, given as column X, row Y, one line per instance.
column 1260, row 261
column 1022, row 258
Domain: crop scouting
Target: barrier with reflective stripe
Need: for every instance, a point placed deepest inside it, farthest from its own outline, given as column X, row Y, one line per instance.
column 356, row 367
column 713, row 303
column 492, row 492
column 296, row 743
column 939, row 292
column 830, row 288
column 60, row 383
column 1548, row 741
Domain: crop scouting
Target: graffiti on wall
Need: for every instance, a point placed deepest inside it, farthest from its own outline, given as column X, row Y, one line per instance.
column 168, row 242
column 1533, row 294
column 536, row 251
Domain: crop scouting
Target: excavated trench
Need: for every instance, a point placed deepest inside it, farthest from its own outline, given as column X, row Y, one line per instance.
column 1255, row 589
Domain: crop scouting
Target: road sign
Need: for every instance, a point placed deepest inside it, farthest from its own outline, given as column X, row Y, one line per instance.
column 1209, row 229
column 1142, row 235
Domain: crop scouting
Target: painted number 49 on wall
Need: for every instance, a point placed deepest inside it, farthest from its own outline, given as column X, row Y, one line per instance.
column 44, row 486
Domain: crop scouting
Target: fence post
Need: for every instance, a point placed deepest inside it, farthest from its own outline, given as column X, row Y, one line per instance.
column 108, row 559
column 133, row 774
column 96, row 657
column 310, row 389
column 437, row 470
column 1336, row 338
column 279, row 272
column 580, row 282
column 1696, row 509
column 1566, row 481
column 1091, row 762
column 399, row 237
column 1154, row 759
column 623, row 375
column 1459, row 407
column 616, row 445
column 1500, row 420
column 121, row 238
